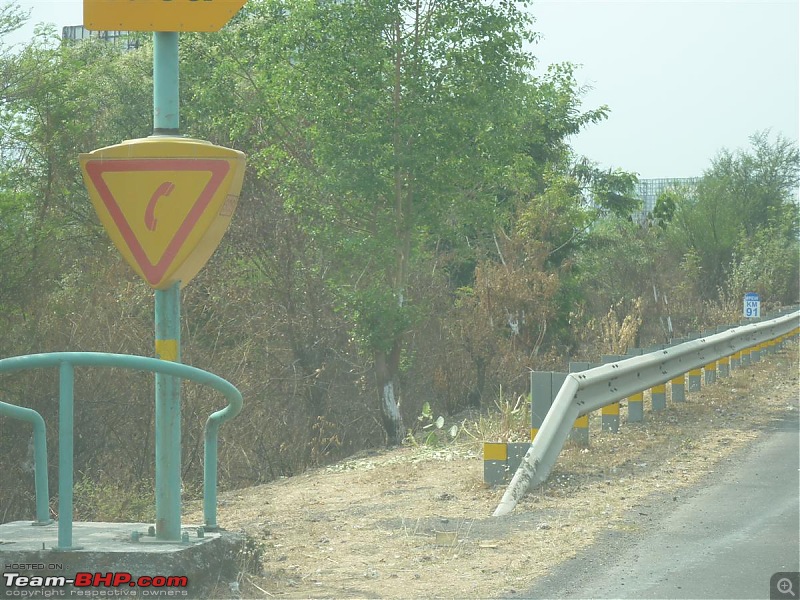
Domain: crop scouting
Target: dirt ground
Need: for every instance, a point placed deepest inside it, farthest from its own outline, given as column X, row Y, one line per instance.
column 416, row 522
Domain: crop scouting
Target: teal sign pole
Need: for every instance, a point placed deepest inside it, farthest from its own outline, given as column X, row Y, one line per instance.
column 169, row 18
column 167, row 314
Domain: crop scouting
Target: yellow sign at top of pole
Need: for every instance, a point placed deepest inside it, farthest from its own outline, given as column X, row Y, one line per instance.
column 158, row 15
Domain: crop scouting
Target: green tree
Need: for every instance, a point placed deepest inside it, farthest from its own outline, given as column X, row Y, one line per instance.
column 741, row 194
column 767, row 262
column 12, row 17
column 61, row 286
column 61, row 99
column 390, row 123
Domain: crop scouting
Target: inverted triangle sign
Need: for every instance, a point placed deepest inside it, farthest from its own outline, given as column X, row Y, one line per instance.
column 133, row 190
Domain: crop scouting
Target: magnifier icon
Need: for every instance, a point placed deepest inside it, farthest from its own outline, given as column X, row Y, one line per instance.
column 785, row 586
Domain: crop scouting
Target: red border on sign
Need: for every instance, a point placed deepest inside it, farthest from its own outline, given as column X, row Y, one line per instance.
column 97, row 168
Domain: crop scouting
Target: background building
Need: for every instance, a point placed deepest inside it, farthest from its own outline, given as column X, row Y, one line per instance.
column 76, row 33
column 648, row 190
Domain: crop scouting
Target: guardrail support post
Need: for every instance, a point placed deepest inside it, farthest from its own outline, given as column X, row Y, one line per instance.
column 659, row 397
column 636, row 408
column 736, row 359
column 745, row 357
column 694, row 380
column 710, row 372
column 755, row 353
column 609, row 416
column 580, row 431
column 678, row 388
column 723, row 366
column 495, row 456
column 515, row 453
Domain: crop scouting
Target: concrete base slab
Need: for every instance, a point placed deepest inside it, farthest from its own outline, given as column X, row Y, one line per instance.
column 201, row 567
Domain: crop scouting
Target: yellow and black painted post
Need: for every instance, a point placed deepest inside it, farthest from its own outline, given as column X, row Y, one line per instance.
column 609, row 416
column 495, row 455
column 636, row 408
column 658, row 395
column 580, row 431
column 501, row 460
column 678, row 388
column 694, row 380
column 745, row 356
column 736, row 360
column 710, row 372
column 755, row 353
column 723, row 366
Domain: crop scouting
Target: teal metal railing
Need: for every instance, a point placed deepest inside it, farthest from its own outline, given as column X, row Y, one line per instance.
column 39, row 457
column 66, row 363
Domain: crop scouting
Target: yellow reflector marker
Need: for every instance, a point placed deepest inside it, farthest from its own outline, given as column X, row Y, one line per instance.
column 495, row 451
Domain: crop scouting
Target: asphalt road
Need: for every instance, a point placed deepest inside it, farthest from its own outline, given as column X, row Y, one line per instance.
column 724, row 539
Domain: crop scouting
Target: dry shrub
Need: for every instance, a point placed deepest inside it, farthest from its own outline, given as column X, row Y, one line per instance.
column 614, row 333
column 495, row 329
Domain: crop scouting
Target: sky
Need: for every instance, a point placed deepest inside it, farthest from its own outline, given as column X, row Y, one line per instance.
column 683, row 79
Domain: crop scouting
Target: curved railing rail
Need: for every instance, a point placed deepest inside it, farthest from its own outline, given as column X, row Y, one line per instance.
column 590, row 390
column 66, row 362
column 41, row 485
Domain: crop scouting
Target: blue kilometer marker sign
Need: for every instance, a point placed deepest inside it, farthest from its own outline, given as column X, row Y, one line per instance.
column 752, row 306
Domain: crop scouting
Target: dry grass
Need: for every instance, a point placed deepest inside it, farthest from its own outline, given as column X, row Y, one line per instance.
column 414, row 522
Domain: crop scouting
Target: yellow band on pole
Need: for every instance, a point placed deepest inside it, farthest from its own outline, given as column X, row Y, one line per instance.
column 167, row 350
column 582, row 422
column 611, row 409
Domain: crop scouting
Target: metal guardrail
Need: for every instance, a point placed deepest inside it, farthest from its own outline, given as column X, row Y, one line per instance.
column 590, row 390
column 66, row 361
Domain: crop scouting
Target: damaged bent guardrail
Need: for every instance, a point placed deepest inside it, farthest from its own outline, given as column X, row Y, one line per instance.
column 590, row 390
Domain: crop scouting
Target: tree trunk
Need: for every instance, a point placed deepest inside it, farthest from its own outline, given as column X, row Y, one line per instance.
column 476, row 394
column 386, row 374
